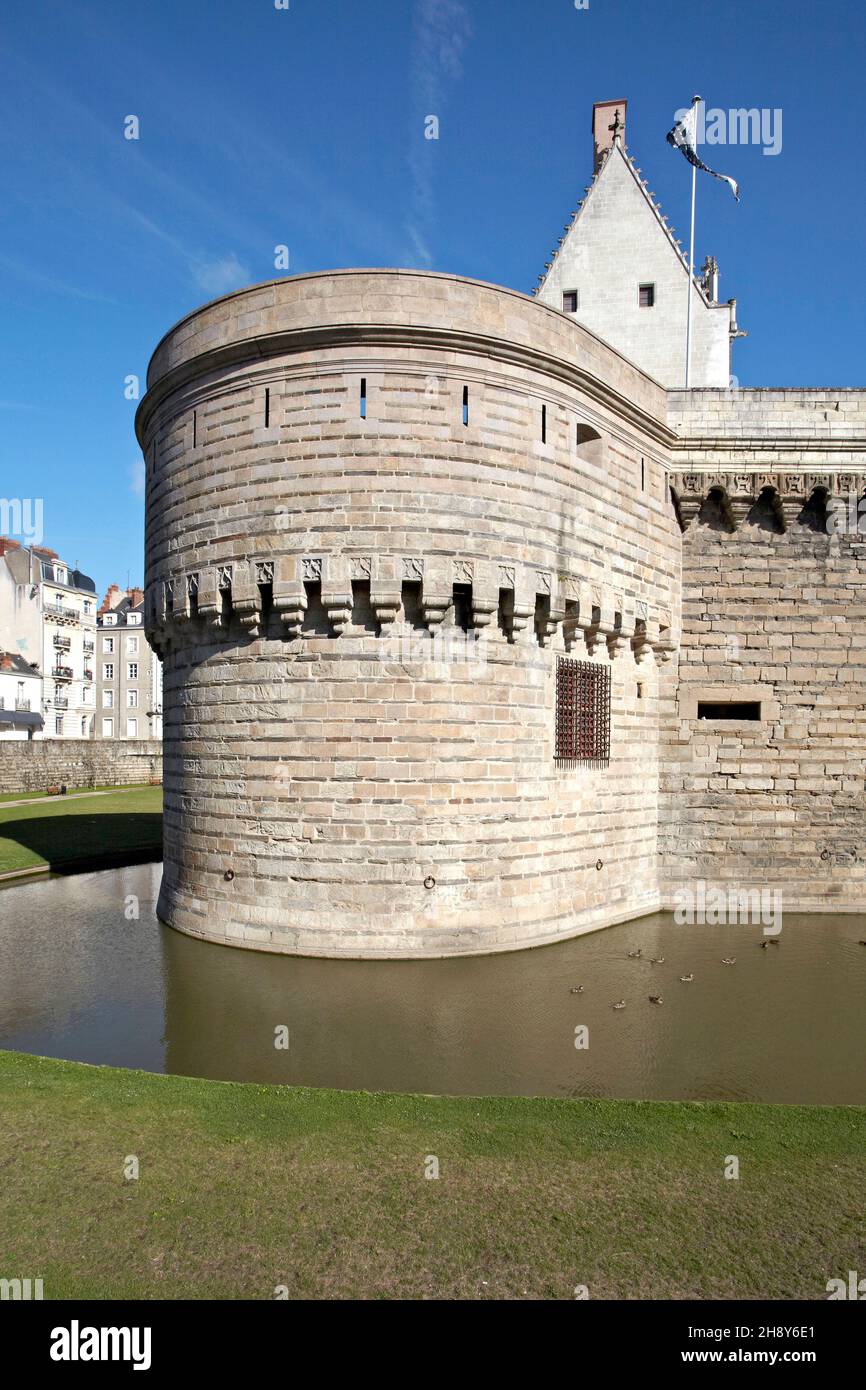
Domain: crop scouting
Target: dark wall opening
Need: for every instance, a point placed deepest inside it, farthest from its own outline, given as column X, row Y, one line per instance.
column 729, row 709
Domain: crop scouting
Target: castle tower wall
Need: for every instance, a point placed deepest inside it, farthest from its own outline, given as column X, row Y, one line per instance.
column 381, row 506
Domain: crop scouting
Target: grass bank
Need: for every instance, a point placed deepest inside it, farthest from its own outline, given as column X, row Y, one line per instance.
column 242, row 1188
column 71, row 791
column 64, row 833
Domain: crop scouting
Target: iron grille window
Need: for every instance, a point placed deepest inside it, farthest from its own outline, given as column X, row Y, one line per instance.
column 582, row 712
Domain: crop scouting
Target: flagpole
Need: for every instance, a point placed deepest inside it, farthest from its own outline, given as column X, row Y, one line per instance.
column 695, row 101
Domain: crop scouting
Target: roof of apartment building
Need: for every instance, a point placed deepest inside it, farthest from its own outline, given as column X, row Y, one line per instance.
column 119, row 603
column 33, row 563
column 13, row 664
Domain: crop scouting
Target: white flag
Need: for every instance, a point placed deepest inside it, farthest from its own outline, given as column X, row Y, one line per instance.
column 684, row 137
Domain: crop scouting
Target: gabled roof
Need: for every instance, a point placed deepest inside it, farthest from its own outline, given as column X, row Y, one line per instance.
column 618, row 150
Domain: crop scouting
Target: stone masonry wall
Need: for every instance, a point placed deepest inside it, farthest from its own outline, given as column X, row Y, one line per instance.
column 42, row 763
column 821, row 428
column 779, row 617
column 360, row 615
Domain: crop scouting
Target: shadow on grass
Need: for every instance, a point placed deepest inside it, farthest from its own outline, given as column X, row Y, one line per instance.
column 68, row 844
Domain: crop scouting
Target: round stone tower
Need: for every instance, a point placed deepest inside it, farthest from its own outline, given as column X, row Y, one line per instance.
column 393, row 518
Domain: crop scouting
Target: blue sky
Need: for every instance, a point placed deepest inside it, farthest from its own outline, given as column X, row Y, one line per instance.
column 304, row 127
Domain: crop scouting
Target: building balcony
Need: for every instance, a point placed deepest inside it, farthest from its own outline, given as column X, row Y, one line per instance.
column 60, row 702
column 63, row 615
column 88, row 675
column 62, row 643
column 22, row 704
column 62, row 673
column 89, row 646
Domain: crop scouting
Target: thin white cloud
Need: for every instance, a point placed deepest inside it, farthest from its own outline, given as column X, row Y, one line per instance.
column 219, row 275
column 441, row 31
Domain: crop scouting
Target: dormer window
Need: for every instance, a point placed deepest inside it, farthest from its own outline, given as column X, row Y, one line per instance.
column 109, row 619
column 646, row 296
column 570, row 302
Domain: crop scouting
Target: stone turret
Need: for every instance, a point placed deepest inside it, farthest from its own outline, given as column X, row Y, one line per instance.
column 398, row 526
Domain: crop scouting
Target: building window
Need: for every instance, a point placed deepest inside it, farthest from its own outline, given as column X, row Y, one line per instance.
column 132, row 699
column 107, row 728
column 132, row 645
column 132, row 728
column 132, row 671
column 84, row 728
column 570, row 301
column 108, row 645
column 582, row 712
column 729, row 709
column 87, row 607
column 589, row 444
column 58, row 724
column 108, row 671
column 646, row 296
column 108, row 698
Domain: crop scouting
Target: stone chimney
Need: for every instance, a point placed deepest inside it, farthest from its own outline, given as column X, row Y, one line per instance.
column 5, row 661
column 113, row 597
column 135, row 596
column 7, row 544
column 608, row 124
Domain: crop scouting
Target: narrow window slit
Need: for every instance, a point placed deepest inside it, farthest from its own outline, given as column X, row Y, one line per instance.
column 466, row 405
column 544, row 424
column 363, row 398
column 267, row 406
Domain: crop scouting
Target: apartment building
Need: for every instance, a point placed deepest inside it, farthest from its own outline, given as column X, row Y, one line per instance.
column 48, row 619
column 20, row 698
column 128, row 673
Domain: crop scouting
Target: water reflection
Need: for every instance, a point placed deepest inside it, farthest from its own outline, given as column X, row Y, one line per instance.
column 79, row 979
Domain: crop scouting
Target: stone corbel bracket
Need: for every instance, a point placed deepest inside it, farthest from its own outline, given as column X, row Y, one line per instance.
column 531, row 606
column 788, row 492
column 289, row 594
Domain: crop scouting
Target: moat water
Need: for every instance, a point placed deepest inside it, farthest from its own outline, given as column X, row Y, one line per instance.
column 79, row 980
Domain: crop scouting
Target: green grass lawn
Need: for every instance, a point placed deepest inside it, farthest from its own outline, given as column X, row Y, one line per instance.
column 244, row 1188
column 71, row 791
column 63, row 833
